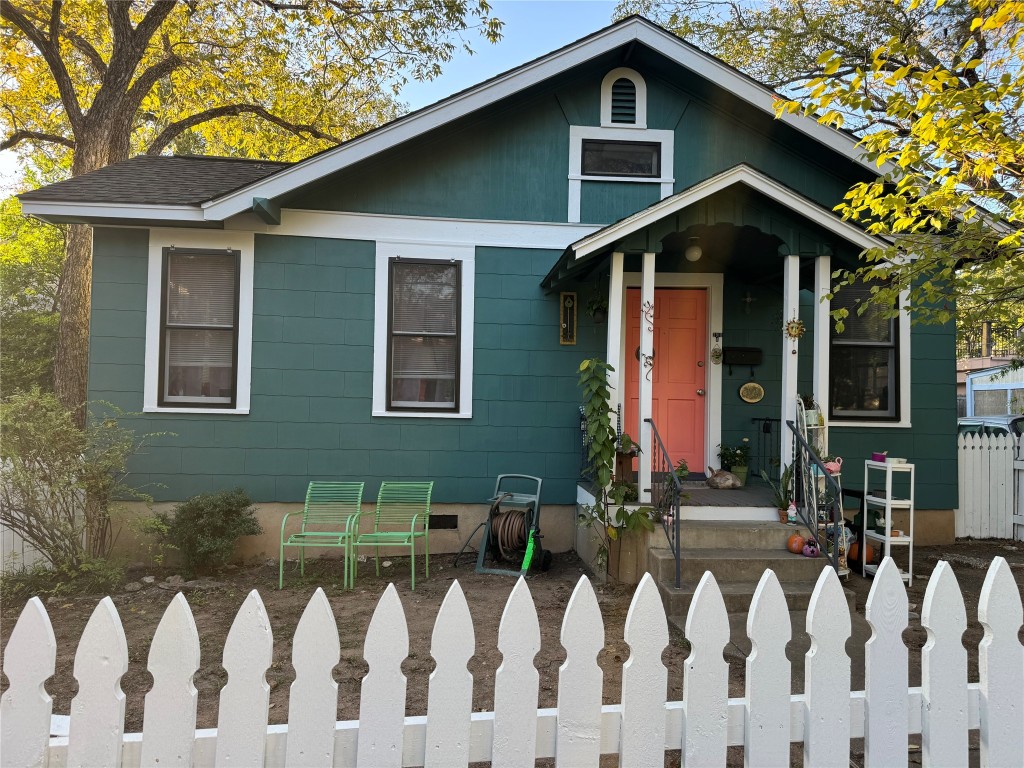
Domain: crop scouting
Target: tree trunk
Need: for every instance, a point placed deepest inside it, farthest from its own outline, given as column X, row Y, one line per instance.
column 71, row 365
column 101, row 143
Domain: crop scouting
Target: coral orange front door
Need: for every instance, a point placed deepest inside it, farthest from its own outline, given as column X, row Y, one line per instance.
column 679, row 371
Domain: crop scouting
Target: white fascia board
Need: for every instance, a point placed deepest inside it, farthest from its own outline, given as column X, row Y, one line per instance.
column 429, row 229
column 739, row 175
column 147, row 212
column 517, row 80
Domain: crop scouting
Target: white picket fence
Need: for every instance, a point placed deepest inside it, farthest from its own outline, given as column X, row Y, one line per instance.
column 579, row 730
column 991, row 479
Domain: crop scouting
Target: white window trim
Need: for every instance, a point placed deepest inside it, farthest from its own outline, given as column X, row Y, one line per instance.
column 160, row 239
column 387, row 250
column 902, row 371
column 577, row 134
column 641, row 97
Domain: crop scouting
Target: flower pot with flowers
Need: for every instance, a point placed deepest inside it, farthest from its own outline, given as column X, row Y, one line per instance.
column 736, row 458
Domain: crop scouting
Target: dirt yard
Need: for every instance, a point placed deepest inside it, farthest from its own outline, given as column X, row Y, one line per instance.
column 215, row 607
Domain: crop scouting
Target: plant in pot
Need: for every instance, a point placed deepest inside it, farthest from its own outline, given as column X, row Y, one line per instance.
column 782, row 493
column 812, row 410
column 736, row 458
column 682, row 469
column 597, row 308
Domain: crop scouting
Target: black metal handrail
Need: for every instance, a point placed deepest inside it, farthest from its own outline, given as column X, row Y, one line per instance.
column 812, row 506
column 666, row 492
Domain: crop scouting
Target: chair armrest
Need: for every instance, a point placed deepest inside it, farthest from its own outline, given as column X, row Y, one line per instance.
column 352, row 524
column 285, row 520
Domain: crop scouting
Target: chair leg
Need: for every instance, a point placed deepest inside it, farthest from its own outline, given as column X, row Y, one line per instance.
column 376, row 557
column 302, row 561
column 412, row 563
column 426, row 556
column 344, row 566
column 280, row 568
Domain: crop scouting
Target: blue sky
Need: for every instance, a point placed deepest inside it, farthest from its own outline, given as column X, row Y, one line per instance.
column 532, row 28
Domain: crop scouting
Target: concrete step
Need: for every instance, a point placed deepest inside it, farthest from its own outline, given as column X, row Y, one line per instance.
column 718, row 534
column 737, row 597
column 735, row 565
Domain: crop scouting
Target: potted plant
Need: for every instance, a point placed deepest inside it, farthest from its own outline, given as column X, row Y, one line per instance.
column 682, row 469
column 736, row 458
column 812, row 411
column 597, row 308
column 782, row 493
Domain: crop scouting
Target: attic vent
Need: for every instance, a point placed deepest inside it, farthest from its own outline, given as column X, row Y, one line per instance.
column 623, row 101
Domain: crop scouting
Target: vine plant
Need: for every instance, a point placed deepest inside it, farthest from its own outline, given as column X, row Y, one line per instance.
column 603, row 445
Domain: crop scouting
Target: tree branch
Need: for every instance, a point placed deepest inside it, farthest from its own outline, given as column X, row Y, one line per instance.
column 145, row 82
column 19, row 136
column 172, row 131
column 120, row 22
column 50, row 51
column 152, row 21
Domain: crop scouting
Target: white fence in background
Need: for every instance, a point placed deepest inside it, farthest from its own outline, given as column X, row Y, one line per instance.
column 991, row 480
column 15, row 552
column 764, row 721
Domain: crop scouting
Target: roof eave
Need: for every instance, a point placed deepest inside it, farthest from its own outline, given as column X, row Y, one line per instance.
column 62, row 211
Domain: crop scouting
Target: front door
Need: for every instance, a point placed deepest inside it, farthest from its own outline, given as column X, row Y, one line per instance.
column 679, row 372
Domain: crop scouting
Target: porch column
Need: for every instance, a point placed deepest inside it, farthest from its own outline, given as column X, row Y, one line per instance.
column 822, row 330
column 613, row 351
column 790, row 348
column 646, row 376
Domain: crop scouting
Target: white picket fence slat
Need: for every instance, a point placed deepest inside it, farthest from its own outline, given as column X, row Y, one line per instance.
column 765, row 721
column 944, row 672
column 991, row 488
column 766, row 737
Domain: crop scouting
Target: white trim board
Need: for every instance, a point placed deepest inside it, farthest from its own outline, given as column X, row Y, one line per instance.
column 740, row 174
column 630, row 30
column 441, row 252
column 159, row 239
column 142, row 212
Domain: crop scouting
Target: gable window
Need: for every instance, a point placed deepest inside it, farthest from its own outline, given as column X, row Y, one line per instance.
column 423, row 335
column 199, row 328
column 623, row 101
column 863, row 366
column 621, row 158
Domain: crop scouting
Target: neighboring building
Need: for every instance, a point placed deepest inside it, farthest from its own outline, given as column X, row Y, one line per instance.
column 391, row 308
column 990, row 345
column 995, row 392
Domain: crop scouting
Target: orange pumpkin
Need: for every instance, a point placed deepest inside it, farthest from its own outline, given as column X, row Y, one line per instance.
column 795, row 544
column 855, row 551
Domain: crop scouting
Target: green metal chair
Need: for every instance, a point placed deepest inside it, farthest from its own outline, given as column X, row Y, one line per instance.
column 332, row 510
column 402, row 516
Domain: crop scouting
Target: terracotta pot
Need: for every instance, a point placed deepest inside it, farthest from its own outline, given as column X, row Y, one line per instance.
column 783, row 515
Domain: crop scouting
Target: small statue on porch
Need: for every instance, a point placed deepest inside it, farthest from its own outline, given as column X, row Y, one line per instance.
column 720, row 479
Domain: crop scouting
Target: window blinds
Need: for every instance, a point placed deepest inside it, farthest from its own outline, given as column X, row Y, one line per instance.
column 201, row 290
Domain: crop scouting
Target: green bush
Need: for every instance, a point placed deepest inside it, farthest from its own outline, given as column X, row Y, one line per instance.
column 92, row 576
column 205, row 528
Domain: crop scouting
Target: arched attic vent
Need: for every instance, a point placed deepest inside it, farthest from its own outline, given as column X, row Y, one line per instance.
column 624, row 99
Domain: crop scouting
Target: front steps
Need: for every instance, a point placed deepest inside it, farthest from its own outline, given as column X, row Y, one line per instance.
column 737, row 553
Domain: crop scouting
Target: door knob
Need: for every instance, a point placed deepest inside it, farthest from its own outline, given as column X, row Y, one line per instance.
column 700, row 392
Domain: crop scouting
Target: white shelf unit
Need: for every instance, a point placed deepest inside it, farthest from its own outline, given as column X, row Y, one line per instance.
column 887, row 504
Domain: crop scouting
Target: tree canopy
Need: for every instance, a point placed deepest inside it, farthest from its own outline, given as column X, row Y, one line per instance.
column 934, row 92
column 86, row 84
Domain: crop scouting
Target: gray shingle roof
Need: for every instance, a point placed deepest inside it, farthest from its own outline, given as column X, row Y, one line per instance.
column 159, row 180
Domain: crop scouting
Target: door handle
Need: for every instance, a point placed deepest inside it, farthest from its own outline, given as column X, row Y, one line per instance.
column 700, row 392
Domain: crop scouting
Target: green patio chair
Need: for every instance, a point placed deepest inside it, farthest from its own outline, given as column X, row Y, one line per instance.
column 329, row 519
column 402, row 516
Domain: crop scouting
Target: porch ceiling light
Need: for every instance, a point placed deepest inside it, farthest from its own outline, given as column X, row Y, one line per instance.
column 693, row 251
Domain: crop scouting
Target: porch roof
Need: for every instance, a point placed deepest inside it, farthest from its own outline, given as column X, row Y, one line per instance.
column 654, row 229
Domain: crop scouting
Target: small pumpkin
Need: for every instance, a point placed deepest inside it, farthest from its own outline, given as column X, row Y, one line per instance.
column 855, row 551
column 795, row 543
column 811, row 548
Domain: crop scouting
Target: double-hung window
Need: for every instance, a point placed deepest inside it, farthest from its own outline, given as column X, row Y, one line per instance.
column 199, row 328
column 864, row 364
column 423, row 335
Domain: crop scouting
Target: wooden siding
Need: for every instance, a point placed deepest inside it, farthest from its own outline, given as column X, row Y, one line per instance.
column 311, row 380
column 510, row 161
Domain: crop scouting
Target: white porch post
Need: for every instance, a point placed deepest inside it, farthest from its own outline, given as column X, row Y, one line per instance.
column 613, row 351
column 646, row 388
column 790, row 347
column 822, row 330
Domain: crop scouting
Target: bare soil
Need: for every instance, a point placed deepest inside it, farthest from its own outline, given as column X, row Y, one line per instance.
column 214, row 609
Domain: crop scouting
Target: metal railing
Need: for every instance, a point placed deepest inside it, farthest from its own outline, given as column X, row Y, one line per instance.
column 989, row 339
column 666, row 493
column 818, row 497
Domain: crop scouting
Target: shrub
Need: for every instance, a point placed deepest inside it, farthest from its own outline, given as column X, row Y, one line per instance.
column 58, row 483
column 92, row 576
column 205, row 528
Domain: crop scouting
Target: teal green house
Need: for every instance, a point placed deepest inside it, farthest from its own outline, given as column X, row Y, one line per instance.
column 415, row 303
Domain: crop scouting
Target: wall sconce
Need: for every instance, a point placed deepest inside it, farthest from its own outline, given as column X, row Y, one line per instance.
column 693, row 251
column 567, row 318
